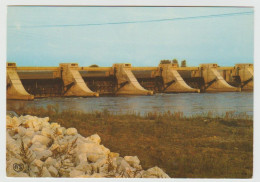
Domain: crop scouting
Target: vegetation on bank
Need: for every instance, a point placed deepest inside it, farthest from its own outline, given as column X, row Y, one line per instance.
column 201, row 146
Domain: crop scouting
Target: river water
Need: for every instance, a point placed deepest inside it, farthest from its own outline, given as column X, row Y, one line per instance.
column 188, row 103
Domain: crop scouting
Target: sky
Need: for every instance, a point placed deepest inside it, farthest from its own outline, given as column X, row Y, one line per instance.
column 47, row 36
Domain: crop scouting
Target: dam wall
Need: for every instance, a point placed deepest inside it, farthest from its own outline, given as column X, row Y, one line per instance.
column 71, row 80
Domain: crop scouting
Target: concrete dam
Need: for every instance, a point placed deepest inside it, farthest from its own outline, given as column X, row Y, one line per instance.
column 71, row 80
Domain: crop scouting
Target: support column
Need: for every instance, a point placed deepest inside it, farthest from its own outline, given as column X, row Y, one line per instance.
column 15, row 88
column 246, row 73
column 173, row 82
column 73, row 82
column 127, row 83
column 214, row 82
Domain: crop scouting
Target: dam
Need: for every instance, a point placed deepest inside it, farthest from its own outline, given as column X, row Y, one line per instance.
column 71, row 80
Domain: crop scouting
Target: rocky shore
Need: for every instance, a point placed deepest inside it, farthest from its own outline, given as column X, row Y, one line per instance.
column 37, row 148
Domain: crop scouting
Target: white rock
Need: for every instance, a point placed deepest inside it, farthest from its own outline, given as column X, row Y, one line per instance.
column 95, row 138
column 54, row 147
column 133, row 161
column 81, row 157
column 34, row 171
column 27, row 141
column 155, row 172
column 44, row 120
column 12, row 122
column 54, row 125
column 84, row 166
column 103, row 168
column 53, row 171
column 45, row 172
column 21, row 131
column 38, row 147
column 29, row 132
column 122, row 165
column 49, row 161
column 12, row 146
column 46, row 131
column 38, row 163
column 42, row 139
column 60, row 130
column 43, row 155
column 75, row 173
column 99, row 163
column 71, row 131
column 93, row 157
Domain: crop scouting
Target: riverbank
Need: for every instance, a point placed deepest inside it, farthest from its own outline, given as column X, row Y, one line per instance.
column 202, row 146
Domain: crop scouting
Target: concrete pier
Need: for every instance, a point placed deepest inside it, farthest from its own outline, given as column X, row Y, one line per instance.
column 73, row 83
column 127, row 83
column 173, row 82
column 214, row 82
column 15, row 89
column 246, row 74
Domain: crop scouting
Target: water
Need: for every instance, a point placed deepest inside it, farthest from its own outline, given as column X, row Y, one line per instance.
column 188, row 103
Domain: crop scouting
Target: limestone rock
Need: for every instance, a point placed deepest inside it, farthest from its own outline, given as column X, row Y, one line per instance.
column 155, row 172
column 47, row 132
column 53, row 171
column 95, row 138
column 54, row 125
column 12, row 122
column 41, row 139
column 45, row 172
column 29, row 132
column 43, row 155
column 133, row 161
column 38, row 163
column 71, row 131
column 84, row 166
column 75, row 173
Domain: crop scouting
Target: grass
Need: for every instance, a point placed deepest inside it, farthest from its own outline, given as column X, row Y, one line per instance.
column 200, row 146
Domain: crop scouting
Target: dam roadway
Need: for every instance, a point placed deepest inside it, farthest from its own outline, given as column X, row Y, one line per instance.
column 71, row 80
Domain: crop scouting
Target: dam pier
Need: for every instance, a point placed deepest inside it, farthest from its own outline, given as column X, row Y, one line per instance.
column 71, row 80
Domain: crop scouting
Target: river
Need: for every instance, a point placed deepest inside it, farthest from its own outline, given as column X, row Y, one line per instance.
column 188, row 103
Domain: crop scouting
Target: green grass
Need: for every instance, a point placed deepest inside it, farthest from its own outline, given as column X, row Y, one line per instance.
column 201, row 146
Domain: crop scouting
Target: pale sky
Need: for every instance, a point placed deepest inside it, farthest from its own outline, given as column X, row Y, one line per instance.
column 32, row 39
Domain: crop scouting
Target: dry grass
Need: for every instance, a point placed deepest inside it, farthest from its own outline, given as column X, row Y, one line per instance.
column 201, row 146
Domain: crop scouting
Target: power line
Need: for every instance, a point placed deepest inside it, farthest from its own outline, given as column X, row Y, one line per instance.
column 141, row 21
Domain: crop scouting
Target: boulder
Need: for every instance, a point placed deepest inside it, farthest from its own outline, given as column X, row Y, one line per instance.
column 41, row 139
column 155, row 172
column 29, row 132
column 94, row 138
column 133, row 161
column 76, row 173
column 46, row 131
column 53, row 171
column 45, row 172
column 12, row 122
column 71, row 131
column 43, row 155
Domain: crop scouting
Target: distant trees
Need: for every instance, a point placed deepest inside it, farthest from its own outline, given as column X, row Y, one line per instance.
column 93, row 65
column 183, row 63
column 165, row 61
column 174, row 61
